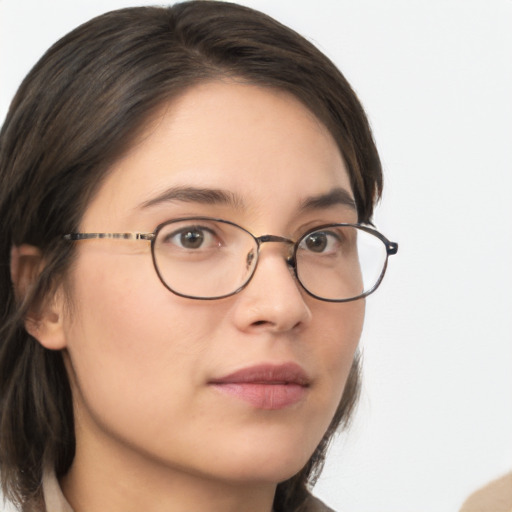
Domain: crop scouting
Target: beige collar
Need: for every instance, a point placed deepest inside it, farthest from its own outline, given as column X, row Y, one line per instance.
column 53, row 498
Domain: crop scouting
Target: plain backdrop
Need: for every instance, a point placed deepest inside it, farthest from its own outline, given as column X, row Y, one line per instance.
column 435, row 417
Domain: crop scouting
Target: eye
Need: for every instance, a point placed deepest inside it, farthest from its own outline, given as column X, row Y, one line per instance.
column 192, row 238
column 320, row 242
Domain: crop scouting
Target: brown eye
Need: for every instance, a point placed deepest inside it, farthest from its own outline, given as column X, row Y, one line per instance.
column 316, row 242
column 321, row 242
column 191, row 239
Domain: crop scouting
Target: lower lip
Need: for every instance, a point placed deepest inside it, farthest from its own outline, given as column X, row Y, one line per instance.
column 264, row 396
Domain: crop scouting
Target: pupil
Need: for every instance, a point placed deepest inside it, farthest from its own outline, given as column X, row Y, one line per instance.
column 316, row 242
column 192, row 239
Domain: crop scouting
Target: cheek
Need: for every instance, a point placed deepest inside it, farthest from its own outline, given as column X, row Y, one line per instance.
column 339, row 327
column 131, row 337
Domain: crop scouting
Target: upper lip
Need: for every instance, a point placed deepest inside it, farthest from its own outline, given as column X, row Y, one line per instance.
column 288, row 373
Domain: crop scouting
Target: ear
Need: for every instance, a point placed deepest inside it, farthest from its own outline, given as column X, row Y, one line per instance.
column 44, row 319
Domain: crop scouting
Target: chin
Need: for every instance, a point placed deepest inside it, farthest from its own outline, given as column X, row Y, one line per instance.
column 272, row 463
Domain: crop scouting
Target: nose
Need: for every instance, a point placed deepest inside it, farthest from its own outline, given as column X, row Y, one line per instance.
column 273, row 300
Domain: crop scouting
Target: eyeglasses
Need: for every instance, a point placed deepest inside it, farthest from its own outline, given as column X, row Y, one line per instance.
column 207, row 258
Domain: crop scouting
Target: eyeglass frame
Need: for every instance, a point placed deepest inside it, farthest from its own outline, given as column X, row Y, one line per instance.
column 291, row 260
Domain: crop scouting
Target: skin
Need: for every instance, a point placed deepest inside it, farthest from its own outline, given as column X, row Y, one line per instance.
column 152, row 434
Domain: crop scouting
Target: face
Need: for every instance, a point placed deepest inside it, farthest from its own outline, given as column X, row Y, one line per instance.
column 240, row 388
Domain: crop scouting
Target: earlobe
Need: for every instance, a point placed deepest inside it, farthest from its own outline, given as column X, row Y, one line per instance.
column 43, row 319
column 45, row 323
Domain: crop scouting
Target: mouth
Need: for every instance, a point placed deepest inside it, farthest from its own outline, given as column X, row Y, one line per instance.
column 266, row 386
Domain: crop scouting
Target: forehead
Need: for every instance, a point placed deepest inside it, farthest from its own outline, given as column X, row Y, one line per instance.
column 261, row 145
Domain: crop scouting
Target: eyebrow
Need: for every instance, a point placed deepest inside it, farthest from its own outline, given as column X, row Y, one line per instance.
column 214, row 196
column 208, row 196
column 337, row 196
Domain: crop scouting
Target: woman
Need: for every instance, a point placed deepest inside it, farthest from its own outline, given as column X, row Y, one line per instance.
column 185, row 195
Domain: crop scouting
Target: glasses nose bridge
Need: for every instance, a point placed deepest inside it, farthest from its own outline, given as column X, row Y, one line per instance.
column 260, row 240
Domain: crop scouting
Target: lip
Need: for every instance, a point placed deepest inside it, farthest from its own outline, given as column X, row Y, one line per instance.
column 266, row 386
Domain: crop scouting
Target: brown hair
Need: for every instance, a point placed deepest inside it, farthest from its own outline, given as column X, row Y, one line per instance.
column 77, row 111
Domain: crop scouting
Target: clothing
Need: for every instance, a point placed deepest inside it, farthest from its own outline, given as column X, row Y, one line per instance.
column 53, row 497
column 56, row 502
column 315, row 505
